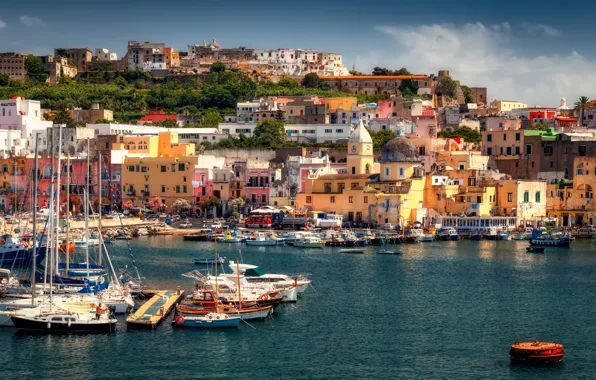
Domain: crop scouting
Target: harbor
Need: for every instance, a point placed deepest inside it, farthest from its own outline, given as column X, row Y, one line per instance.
column 357, row 309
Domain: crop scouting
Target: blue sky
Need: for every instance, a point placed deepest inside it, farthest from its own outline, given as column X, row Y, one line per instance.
column 533, row 51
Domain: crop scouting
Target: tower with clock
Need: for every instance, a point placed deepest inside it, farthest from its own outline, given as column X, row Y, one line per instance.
column 360, row 158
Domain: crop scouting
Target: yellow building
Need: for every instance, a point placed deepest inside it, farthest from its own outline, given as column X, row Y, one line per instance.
column 335, row 104
column 146, row 145
column 166, row 144
column 507, row 105
column 360, row 158
column 221, row 182
column 168, row 178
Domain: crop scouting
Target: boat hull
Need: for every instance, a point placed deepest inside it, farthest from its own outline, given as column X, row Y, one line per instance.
column 21, row 257
column 261, row 243
column 42, row 325
column 562, row 243
column 204, row 322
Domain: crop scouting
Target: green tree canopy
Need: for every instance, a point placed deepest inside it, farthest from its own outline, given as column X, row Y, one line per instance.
column 384, row 71
column 62, row 116
column 312, row 80
column 448, row 86
column 381, row 138
column 468, row 134
column 288, row 83
column 538, row 127
column 4, row 80
column 467, row 94
column 35, row 69
column 211, row 118
column 218, row 67
column 270, row 133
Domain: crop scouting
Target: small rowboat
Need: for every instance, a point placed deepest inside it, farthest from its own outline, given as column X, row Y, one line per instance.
column 389, row 252
column 220, row 260
column 353, row 251
column 536, row 352
column 535, row 249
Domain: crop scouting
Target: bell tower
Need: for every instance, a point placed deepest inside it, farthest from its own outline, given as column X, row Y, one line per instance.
column 360, row 158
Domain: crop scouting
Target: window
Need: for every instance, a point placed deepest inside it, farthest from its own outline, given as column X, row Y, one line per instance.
column 144, row 169
column 548, row 150
column 478, row 199
column 163, row 168
column 366, row 199
column 184, row 189
column 469, row 199
column 181, row 167
column 528, row 148
column 177, row 189
column 203, row 191
column 327, row 187
column 517, row 150
column 131, row 168
column 501, row 151
column 532, row 164
column 387, row 172
column 518, row 136
column 509, row 151
column 504, row 136
column 516, row 164
column 328, row 130
column 471, row 181
column 184, row 179
column 580, row 169
column 163, row 189
column 351, row 199
column 526, row 196
column 401, row 172
column 538, row 197
column 309, row 199
column 489, row 137
column 353, row 170
column 509, row 197
column 339, row 131
column 489, row 151
column 332, row 199
column 582, row 150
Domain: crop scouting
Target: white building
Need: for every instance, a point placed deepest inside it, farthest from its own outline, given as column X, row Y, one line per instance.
column 103, row 54
column 245, row 111
column 398, row 126
column 20, row 120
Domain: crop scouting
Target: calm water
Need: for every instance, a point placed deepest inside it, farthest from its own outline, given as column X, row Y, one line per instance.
column 440, row 310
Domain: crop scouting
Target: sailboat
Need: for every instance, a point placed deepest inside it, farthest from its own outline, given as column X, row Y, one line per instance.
column 50, row 316
column 218, row 317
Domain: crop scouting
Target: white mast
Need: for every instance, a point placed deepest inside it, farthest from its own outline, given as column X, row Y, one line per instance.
column 86, row 202
column 99, row 208
column 58, row 196
column 34, row 242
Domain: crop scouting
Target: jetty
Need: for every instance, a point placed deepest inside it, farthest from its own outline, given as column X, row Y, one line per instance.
column 155, row 310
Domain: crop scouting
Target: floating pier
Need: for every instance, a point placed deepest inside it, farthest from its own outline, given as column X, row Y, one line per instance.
column 155, row 310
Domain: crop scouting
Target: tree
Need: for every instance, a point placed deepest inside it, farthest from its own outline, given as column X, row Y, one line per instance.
column 381, row 71
column 236, row 204
column 270, row 133
column 35, row 69
column 468, row 134
column 103, row 121
column 211, row 118
column 467, row 94
column 180, row 205
column 311, row 80
column 583, row 103
column 4, row 80
column 409, row 87
column 155, row 204
column 288, row 83
column 218, row 67
column 63, row 117
column 279, row 116
column 381, row 138
column 168, row 123
column 121, row 82
column 448, row 86
column 402, row 71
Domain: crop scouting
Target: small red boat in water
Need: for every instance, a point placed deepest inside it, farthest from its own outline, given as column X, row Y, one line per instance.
column 536, row 352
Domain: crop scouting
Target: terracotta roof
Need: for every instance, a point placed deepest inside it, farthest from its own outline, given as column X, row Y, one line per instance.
column 377, row 77
column 566, row 118
column 345, row 176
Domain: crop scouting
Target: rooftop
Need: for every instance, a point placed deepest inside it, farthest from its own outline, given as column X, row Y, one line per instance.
column 377, row 77
column 345, row 176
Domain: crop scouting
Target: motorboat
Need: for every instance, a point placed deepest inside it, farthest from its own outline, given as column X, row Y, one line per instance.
column 447, row 233
column 261, row 239
column 351, row 251
column 82, row 243
column 309, row 242
column 13, row 252
column 254, row 274
column 550, row 240
column 389, row 252
column 504, row 235
column 427, row 238
column 491, row 233
column 519, row 236
column 413, row 235
column 210, row 261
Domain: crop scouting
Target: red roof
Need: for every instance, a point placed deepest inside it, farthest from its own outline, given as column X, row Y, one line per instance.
column 566, row 119
column 158, row 116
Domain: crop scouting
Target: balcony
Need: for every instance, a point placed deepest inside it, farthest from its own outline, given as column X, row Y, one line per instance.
column 131, row 192
column 146, row 192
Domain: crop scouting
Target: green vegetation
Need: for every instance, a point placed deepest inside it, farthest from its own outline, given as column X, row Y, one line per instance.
column 4, row 80
column 467, row 94
column 35, row 69
column 312, row 80
column 384, row 71
column 538, row 127
column 381, row 138
column 468, row 134
column 448, row 86
column 583, row 103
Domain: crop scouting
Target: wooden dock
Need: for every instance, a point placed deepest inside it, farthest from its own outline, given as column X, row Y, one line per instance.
column 155, row 310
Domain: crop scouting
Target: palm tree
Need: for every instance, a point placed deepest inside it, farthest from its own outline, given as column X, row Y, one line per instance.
column 583, row 103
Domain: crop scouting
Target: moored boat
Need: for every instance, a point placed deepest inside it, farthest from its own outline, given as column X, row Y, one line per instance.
column 210, row 261
column 309, row 242
column 535, row 249
column 261, row 239
column 209, row 320
column 447, row 233
column 536, row 352
column 550, row 240
column 504, row 235
column 389, row 252
column 351, row 251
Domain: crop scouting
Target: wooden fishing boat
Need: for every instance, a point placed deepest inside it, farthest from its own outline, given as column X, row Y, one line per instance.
column 536, row 352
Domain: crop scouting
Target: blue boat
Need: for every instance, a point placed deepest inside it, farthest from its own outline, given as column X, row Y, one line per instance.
column 210, row 320
column 19, row 255
column 550, row 240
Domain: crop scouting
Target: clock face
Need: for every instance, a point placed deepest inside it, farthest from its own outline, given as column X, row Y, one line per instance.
column 353, row 148
column 368, row 148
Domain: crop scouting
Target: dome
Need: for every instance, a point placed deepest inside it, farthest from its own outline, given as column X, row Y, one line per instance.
column 398, row 150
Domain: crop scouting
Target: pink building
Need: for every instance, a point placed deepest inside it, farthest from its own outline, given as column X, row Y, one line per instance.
column 426, row 123
column 385, row 108
column 203, row 184
column 257, row 186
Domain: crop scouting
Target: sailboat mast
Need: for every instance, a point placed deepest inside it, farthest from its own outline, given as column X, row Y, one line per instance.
column 86, row 197
column 100, row 205
column 34, row 244
column 52, row 231
column 239, row 290
column 59, row 151
column 67, row 212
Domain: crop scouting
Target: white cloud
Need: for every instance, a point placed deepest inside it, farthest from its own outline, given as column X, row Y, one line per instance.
column 482, row 56
column 29, row 21
column 541, row 28
column 3, row 24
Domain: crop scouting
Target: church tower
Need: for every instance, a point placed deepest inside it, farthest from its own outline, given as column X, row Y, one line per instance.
column 360, row 152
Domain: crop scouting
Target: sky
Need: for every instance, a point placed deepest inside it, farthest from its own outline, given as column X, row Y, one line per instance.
column 533, row 51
